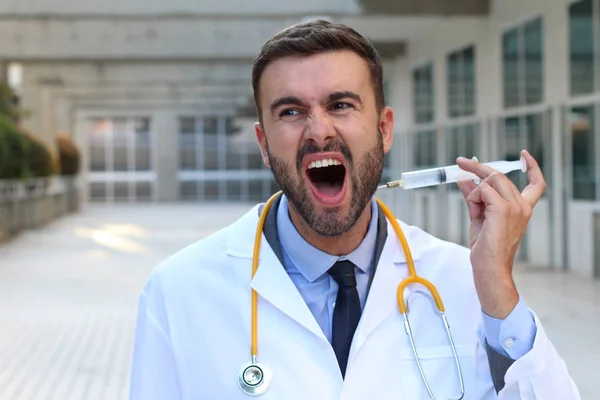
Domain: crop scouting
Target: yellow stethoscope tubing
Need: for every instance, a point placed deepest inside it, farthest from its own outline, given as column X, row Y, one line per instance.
column 412, row 278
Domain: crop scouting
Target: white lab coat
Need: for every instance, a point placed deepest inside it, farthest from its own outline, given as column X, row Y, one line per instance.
column 193, row 330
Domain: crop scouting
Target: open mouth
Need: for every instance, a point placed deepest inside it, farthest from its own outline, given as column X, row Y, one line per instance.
column 327, row 178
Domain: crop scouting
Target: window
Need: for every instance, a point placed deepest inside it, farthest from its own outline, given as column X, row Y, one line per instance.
column 386, row 92
column 98, row 145
column 142, row 144
column 581, row 39
column 584, row 155
column 217, row 161
column 423, row 104
column 522, row 58
column 120, row 146
column 211, row 126
column 525, row 132
column 461, row 82
column 461, row 141
column 387, row 166
column 424, row 149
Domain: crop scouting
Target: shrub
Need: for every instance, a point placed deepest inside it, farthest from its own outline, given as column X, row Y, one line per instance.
column 13, row 151
column 69, row 155
column 38, row 162
column 22, row 155
column 8, row 104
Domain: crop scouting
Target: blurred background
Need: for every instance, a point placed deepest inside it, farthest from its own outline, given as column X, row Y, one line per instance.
column 126, row 133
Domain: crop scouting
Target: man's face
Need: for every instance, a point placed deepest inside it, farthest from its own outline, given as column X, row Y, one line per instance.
column 323, row 137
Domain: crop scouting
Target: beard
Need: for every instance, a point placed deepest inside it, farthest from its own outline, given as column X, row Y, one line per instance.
column 364, row 177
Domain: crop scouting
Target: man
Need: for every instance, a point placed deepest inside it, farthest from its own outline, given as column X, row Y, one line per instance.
column 331, row 262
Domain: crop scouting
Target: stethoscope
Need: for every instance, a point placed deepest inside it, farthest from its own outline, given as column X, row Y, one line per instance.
column 255, row 378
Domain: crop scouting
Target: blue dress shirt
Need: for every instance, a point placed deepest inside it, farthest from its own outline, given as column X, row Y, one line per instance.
column 307, row 267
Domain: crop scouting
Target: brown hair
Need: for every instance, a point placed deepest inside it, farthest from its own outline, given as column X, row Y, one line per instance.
column 317, row 37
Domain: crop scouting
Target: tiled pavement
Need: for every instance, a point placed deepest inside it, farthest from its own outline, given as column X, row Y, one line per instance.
column 68, row 296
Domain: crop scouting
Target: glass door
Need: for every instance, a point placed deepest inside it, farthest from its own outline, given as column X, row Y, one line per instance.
column 120, row 167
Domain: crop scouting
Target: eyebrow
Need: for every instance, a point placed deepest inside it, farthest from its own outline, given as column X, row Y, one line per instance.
column 343, row 95
column 292, row 100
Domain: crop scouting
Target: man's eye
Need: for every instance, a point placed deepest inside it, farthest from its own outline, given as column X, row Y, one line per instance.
column 341, row 106
column 289, row 112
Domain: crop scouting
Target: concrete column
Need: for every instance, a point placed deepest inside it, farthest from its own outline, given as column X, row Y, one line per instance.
column 556, row 88
column 401, row 101
column 166, row 155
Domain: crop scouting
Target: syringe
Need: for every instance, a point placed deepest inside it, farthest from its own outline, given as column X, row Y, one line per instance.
column 449, row 174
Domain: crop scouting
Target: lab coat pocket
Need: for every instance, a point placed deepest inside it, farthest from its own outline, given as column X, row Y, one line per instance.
column 440, row 371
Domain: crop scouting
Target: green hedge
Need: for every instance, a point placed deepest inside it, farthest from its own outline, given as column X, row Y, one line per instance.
column 13, row 150
column 22, row 155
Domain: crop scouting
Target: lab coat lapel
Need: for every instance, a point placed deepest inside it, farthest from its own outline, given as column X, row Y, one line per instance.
column 271, row 282
column 382, row 299
column 274, row 285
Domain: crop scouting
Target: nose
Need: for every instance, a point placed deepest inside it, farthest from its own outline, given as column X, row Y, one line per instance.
column 320, row 129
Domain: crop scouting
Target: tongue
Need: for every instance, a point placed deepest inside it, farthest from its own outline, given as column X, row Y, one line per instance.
column 328, row 189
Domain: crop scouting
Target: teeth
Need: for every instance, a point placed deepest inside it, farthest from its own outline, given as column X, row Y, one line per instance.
column 323, row 163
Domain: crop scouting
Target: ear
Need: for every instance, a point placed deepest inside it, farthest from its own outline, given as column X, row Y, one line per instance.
column 262, row 142
column 386, row 127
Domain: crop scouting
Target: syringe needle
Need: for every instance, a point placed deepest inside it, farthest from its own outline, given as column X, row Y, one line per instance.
column 391, row 184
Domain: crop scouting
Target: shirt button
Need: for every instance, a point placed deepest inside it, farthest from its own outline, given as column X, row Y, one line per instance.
column 509, row 342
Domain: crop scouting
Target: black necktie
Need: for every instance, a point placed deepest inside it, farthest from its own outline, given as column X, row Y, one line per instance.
column 346, row 313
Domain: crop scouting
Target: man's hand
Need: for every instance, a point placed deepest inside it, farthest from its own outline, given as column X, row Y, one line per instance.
column 499, row 217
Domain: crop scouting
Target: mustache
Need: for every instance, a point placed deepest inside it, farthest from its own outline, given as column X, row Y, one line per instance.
column 311, row 148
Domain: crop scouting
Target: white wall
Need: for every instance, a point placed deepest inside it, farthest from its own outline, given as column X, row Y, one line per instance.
column 206, row 7
column 184, row 37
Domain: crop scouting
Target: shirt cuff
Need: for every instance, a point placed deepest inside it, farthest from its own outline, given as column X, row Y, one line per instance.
column 512, row 337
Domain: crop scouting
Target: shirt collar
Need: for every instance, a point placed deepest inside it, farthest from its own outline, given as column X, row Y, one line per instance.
column 312, row 262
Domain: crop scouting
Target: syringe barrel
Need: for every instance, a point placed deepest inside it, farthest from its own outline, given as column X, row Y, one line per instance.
column 455, row 174
column 423, row 178
column 434, row 176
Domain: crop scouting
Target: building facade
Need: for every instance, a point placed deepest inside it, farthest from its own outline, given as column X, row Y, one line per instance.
column 526, row 77
column 158, row 96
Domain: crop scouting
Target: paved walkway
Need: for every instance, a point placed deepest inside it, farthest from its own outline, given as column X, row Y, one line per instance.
column 68, row 296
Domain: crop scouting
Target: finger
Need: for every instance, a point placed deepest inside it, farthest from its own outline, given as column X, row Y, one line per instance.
column 486, row 197
column 466, row 187
column 537, row 184
column 479, row 169
column 504, row 187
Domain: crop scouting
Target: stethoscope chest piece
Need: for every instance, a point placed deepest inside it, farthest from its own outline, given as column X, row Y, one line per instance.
column 254, row 378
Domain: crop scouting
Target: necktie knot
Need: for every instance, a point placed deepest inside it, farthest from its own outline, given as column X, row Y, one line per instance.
column 343, row 273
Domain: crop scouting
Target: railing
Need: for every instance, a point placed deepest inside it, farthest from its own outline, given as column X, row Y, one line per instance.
column 15, row 190
column 33, row 203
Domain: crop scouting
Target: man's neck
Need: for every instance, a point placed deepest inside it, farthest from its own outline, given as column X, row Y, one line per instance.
column 338, row 245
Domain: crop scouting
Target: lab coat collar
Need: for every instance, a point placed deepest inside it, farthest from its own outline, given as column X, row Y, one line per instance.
column 241, row 241
column 398, row 255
